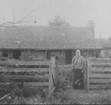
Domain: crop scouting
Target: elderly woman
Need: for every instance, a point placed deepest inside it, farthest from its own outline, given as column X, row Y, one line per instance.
column 77, row 72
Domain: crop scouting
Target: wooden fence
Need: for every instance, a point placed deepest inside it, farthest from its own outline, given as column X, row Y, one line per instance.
column 30, row 73
column 99, row 73
column 43, row 73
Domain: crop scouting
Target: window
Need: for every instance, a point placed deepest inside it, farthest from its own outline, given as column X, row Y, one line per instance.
column 5, row 54
column 17, row 54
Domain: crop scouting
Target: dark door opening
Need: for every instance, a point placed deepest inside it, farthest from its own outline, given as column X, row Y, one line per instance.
column 17, row 54
column 68, row 56
column 5, row 53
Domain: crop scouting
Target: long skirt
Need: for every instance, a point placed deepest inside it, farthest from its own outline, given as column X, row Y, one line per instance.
column 77, row 78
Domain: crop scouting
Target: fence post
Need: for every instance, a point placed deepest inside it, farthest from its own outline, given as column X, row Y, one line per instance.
column 87, row 76
column 52, row 75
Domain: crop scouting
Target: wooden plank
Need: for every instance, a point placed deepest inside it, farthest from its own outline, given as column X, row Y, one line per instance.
column 102, row 66
column 26, row 76
column 97, row 75
column 64, row 67
column 4, row 83
column 99, row 63
column 18, row 62
column 87, row 87
column 32, row 84
column 25, row 70
column 104, row 72
column 99, row 80
column 52, row 75
column 99, row 60
column 31, row 77
column 99, row 87
column 99, row 70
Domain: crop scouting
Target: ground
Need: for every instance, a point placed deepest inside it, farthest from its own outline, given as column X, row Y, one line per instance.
column 90, row 97
column 65, row 96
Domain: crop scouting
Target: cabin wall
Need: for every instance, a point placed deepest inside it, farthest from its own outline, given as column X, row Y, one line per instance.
column 35, row 54
column 88, row 53
column 106, row 53
column 63, row 56
column 0, row 53
column 38, row 54
column 10, row 54
column 60, row 56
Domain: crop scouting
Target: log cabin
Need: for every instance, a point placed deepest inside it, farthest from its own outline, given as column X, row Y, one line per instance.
column 33, row 42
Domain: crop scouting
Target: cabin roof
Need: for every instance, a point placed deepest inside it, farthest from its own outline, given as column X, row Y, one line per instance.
column 47, row 37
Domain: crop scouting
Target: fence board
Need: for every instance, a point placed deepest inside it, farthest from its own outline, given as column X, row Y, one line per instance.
column 19, row 62
column 33, row 84
column 100, row 70
column 95, row 75
column 100, row 65
column 52, row 75
column 99, row 87
column 26, row 77
column 99, row 60
column 39, row 70
column 100, row 80
column 99, row 73
column 87, row 76
column 30, row 72
column 64, row 67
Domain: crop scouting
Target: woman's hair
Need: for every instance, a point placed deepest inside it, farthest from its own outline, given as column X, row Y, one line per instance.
column 78, row 52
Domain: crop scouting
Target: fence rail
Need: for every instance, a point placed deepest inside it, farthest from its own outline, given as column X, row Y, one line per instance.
column 99, row 73
column 31, row 73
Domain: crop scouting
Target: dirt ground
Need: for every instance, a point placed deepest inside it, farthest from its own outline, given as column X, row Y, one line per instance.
column 90, row 97
column 68, row 96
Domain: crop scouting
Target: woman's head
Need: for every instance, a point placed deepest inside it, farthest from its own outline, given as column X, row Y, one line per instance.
column 78, row 53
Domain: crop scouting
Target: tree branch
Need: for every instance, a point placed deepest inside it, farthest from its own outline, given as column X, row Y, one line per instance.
column 21, row 20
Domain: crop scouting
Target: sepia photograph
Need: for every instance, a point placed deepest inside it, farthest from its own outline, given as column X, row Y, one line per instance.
column 55, row 52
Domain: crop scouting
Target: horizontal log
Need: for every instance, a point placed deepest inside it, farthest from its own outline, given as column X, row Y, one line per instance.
column 32, row 84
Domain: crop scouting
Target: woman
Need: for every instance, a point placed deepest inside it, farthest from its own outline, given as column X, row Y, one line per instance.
column 78, row 70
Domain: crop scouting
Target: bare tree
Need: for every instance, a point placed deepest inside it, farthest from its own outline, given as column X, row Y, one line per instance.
column 58, row 21
column 6, row 24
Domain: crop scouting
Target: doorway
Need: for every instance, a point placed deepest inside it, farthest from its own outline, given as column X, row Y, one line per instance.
column 68, row 54
column 16, row 54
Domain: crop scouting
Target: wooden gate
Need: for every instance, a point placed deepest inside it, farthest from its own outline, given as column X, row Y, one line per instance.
column 31, row 73
column 99, row 73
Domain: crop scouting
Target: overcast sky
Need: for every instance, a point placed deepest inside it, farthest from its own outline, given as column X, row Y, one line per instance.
column 76, row 12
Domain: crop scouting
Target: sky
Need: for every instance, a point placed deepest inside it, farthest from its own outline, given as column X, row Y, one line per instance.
column 75, row 12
